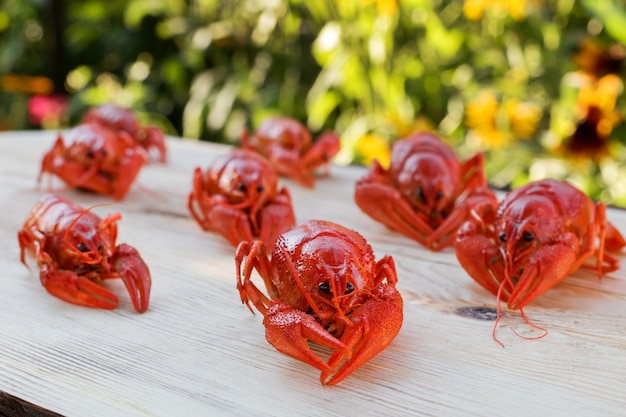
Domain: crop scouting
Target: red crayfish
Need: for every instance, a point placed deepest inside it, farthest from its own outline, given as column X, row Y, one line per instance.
column 97, row 159
column 324, row 286
column 540, row 234
column 75, row 251
column 121, row 119
column 426, row 193
column 238, row 197
column 287, row 144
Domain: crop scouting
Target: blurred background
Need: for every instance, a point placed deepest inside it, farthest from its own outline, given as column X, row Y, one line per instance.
column 535, row 84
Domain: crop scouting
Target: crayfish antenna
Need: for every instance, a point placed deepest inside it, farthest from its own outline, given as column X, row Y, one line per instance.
column 498, row 315
column 151, row 193
column 528, row 322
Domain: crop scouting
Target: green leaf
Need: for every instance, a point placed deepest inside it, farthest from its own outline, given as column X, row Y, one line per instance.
column 611, row 14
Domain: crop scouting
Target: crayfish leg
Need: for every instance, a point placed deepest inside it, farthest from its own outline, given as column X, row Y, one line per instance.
column 276, row 217
column 614, row 240
column 320, row 153
column 154, row 138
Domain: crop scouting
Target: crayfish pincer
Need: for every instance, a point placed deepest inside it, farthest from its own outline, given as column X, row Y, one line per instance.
column 325, row 287
column 76, row 251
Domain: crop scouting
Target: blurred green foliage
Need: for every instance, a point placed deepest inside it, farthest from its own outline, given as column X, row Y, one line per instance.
column 535, row 84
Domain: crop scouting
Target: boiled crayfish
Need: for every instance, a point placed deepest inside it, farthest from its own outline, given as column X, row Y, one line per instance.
column 540, row 234
column 123, row 120
column 287, row 144
column 238, row 197
column 426, row 193
column 96, row 158
column 324, row 286
column 75, row 250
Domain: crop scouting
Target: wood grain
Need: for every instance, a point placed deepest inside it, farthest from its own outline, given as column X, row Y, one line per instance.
column 198, row 351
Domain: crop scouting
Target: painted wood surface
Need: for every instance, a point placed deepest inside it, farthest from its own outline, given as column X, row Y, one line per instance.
column 198, row 351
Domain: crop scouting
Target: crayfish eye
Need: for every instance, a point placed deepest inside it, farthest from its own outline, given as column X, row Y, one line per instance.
column 90, row 154
column 241, row 187
column 439, row 195
column 82, row 247
column 528, row 236
column 100, row 245
column 259, row 188
column 419, row 194
column 324, row 287
column 349, row 288
column 502, row 237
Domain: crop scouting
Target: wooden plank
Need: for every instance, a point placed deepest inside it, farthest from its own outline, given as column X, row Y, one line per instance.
column 198, row 351
column 11, row 406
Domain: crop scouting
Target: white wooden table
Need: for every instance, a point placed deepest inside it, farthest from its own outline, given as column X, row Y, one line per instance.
column 198, row 351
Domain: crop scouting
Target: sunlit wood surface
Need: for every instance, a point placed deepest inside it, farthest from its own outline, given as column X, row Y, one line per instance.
column 197, row 351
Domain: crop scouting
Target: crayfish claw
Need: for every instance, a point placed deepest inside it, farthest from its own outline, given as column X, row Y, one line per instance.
column 374, row 325
column 77, row 290
column 288, row 330
column 135, row 274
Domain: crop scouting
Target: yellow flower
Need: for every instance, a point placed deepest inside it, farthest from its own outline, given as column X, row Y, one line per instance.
column 493, row 125
column 489, row 139
column 383, row 7
column 372, row 146
column 481, row 112
column 524, row 117
column 517, row 9
column 404, row 127
column 481, row 116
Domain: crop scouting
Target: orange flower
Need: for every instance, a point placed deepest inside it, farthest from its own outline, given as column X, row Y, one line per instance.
column 597, row 116
column 595, row 59
column 26, row 84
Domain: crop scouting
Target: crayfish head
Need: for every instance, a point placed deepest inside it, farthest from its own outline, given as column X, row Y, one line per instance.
column 88, row 245
column 338, row 290
column 288, row 132
column 89, row 251
column 92, row 143
column 427, row 185
column 248, row 180
column 527, row 224
column 111, row 115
